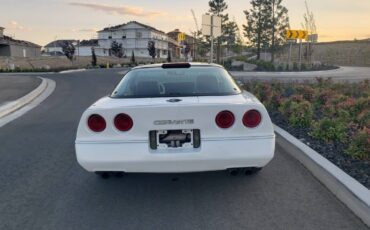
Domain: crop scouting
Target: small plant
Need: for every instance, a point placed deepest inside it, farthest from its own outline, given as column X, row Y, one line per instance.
column 299, row 113
column 295, row 66
column 133, row 60
column 117, row 49
column 169, row 59
column 360, row 145
column 93, row 57
column 69, row 50
column 329, row 130
column 151, row 49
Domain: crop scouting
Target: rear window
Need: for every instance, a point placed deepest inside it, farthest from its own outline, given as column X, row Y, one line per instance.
column 178, row 82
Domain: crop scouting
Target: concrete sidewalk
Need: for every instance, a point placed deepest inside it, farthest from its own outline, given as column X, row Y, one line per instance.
column 15, row 87
column 350, row 74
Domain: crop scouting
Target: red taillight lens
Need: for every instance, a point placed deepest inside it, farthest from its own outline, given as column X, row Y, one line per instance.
column 252, row 118
column 225, row 119
column 96, row 123
column 123, row 122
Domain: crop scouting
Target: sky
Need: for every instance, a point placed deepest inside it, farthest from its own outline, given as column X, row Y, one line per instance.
column 42, row 21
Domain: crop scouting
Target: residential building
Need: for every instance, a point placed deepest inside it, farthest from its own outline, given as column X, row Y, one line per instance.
column 179, row 51
column 55, row 48
column 134, row 37
column 85, row 47
column 10, row 47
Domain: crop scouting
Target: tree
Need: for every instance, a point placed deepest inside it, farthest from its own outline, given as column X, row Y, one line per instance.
column 256, row 30
column 169, row 59
column 69, row 50
column 231, row 30
column 117, row 49
column 187, row 50
column 151, row 49
column 279, row 23
column 133, row 60
column 217, row 7
column 309, row 25
column 93, row 57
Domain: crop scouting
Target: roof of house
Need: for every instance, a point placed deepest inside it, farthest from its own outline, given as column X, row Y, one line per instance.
column 92, row 42
column 59, row 43
column 11, row 41
column 114, row 28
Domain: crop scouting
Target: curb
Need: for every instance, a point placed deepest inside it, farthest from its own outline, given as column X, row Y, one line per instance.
column 15, row 105
column 72, row 71
column 26, row 73
column 353, row 194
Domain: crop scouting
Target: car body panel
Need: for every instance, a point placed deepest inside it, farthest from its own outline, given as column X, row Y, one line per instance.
column 237, row 146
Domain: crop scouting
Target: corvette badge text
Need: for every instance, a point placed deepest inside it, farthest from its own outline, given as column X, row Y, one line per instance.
column 174, row 122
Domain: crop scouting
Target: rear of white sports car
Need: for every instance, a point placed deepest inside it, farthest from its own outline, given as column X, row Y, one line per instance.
column 175, row 118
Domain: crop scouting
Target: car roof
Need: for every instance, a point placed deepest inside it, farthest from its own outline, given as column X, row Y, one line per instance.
column 192, row 64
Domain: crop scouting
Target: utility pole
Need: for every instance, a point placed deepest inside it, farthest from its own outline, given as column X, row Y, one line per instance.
column 290, row 55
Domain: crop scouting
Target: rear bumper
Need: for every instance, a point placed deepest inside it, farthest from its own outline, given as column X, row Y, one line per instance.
column 213, row 155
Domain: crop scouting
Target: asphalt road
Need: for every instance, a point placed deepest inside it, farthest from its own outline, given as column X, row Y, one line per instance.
column 350, row 74
column 15, row 87
column 43, row 187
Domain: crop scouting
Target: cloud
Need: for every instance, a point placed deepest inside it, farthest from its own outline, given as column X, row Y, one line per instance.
column 93, row 30
column 14, row 25
column 121, row 10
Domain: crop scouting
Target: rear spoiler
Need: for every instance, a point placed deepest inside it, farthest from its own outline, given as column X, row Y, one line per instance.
column 176, row 65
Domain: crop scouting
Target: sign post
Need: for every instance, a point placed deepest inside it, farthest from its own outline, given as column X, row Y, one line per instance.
column 211, row 26
column 300, row 55
column 181, row 37
column 294, row 35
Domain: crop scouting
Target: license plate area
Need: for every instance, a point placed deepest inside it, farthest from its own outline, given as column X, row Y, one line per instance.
column 174, row 139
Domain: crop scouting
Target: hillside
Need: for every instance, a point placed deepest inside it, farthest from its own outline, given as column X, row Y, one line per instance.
column 342, row 53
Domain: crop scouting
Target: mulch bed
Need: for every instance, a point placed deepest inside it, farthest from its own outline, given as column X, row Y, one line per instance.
column 334, row 152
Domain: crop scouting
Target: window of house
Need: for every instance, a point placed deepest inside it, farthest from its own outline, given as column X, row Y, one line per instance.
column 139, row 34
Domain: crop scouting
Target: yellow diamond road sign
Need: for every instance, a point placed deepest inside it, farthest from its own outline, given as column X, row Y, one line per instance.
column 296, row 34
column 181, row 37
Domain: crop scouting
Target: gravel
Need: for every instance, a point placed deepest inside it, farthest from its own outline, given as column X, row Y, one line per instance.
column 334, row 152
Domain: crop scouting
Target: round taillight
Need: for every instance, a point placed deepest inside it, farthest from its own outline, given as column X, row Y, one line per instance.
column 96, row 123
column 225, row 119
column 123, row 122
column 252, row 118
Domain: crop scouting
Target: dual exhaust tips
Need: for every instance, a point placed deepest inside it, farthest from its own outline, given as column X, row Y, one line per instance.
column 231, row 172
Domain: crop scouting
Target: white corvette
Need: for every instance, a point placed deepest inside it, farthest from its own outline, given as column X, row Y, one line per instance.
column 176, row 117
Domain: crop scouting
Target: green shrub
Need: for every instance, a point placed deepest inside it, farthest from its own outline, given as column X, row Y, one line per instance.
column 262, row 65
column 306, row 91
column 298, row 113
column 295, row 66
column 328, row 129
column 303, row 67
column 360, row 145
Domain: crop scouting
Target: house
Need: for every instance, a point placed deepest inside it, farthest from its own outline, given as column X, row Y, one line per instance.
column 134, row 37
column 179, row 51
column 55, row 48
column 10, row 47
column 85, row 47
